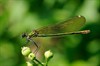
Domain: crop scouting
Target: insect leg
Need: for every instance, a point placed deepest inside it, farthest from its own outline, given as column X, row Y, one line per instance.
column 37, row 47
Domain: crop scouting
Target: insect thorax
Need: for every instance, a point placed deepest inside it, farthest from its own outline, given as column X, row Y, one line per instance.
column 34, row 33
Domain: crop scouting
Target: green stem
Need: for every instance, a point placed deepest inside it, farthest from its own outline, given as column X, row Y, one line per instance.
column 46, row 63
column 39, row 62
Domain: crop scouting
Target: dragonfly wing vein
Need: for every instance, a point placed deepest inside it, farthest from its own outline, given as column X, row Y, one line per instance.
column 70, row 25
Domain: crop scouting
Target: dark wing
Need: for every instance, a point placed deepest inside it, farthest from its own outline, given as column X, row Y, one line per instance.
column 70, row 25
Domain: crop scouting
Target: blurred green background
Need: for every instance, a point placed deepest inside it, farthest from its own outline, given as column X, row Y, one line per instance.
column 19, row 16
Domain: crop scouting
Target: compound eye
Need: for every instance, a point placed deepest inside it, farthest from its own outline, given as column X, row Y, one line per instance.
column 24, row 35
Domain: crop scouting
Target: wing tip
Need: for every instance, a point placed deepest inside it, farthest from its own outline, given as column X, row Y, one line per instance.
column 80, row 16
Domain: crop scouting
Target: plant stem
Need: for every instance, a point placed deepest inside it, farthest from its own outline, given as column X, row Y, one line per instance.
column 39, row 62
column 46, row 63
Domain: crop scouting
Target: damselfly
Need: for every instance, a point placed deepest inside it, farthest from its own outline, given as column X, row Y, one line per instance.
column 66, row 27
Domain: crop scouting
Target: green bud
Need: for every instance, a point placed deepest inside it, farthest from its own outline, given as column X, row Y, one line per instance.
column 31, row 56
column 29, row 64
column 48, row 54
column 25, row 51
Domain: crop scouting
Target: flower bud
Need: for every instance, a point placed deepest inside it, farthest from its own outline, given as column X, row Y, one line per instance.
column 25, row 51
column 48, row 54
column 29, row 64
column 31, row 56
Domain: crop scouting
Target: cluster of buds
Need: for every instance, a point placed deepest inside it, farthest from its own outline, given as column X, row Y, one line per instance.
column 26, row 51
